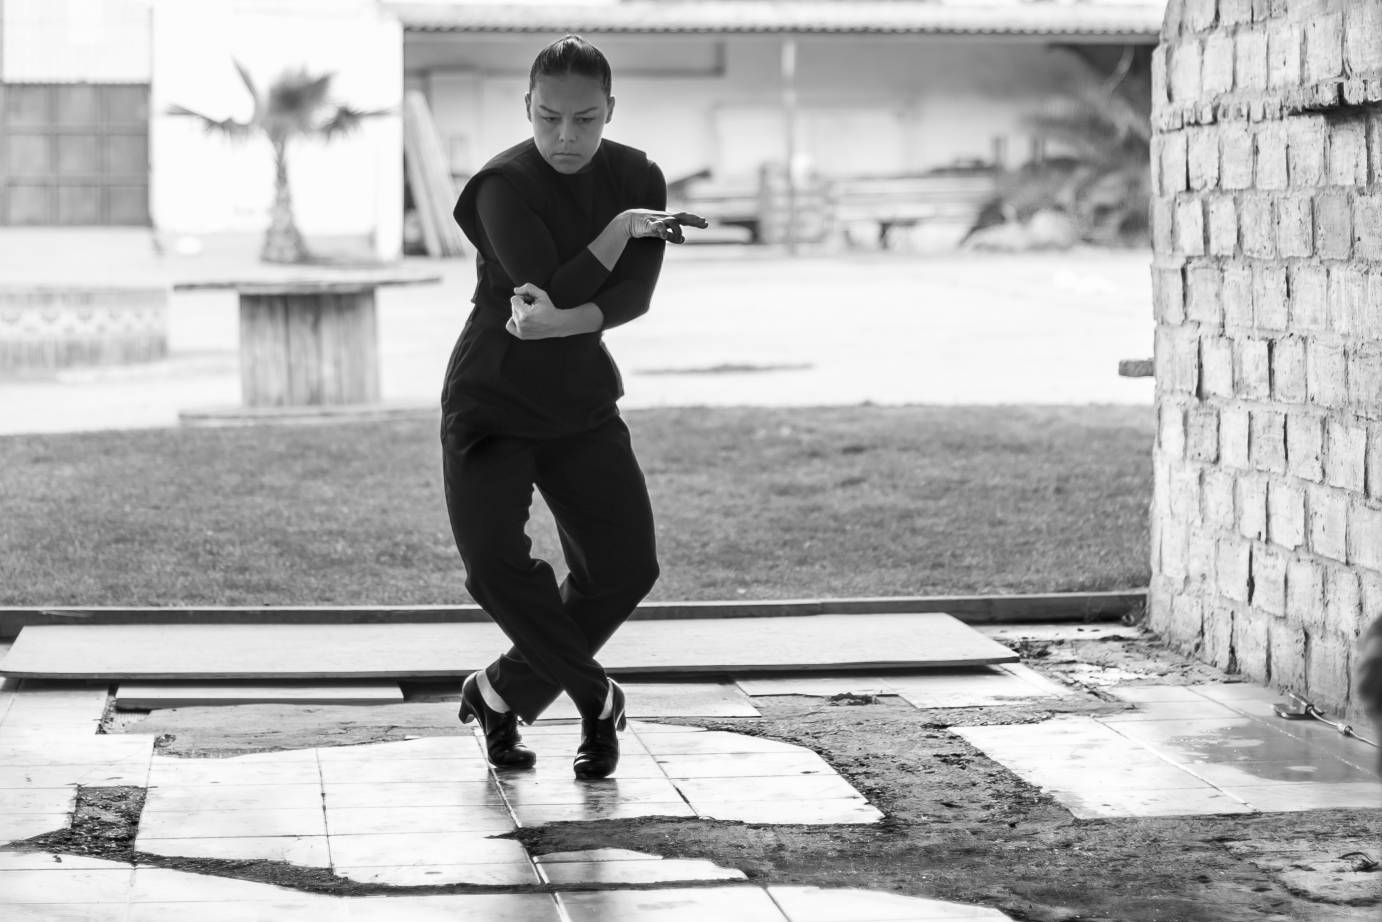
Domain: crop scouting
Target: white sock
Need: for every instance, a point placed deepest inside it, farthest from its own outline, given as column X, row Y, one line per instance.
column 608, row 710
column 492, row 699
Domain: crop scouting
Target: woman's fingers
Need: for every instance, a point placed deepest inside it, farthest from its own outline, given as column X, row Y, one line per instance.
column 529, row 292
column 692, row 220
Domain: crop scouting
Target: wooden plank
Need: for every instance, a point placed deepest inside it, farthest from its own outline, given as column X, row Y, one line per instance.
column 995, row 609
column 149, row 696
column 358, row 651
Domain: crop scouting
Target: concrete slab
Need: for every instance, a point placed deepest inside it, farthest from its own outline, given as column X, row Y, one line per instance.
column 149, row 695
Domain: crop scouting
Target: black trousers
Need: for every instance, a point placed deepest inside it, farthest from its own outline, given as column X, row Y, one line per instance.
column 592, row 483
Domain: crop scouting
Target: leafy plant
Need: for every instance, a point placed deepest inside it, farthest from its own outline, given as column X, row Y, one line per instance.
column 1101, row 136
column 297, row 104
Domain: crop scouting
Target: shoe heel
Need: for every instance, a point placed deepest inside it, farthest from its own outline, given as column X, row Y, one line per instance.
column 467, row 713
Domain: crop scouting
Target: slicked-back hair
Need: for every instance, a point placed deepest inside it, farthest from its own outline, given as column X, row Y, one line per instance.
column 571, row 54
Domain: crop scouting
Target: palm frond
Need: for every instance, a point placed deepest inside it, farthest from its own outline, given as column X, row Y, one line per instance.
column 250, row 85
column 345, row 119
column 225, row 127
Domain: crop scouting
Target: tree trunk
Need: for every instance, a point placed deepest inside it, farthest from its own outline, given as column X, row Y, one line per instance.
column 283, row 242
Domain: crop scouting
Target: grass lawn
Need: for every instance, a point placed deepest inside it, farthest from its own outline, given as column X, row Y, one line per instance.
column 751, row 503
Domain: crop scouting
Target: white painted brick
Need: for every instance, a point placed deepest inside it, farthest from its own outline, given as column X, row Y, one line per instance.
column 1309, row 298
column 1216, row 366
column 1288, row 370
column 1217, row 499
column 1171, row 430
column 1267, row 441
column 1328, row 515
column 1305, row 446
column 1251, row 502
column 1286, row 514
column 1365, row 535
column 1345, row 453
column 1326, row 374
column 1233, row 565
column 1270, row 300
column 1233, row 437
column 1237, row 297
column 1348, row 299
column 1253, row 378
column 1342, row 599
column 1304, row 590
column 1269, row 580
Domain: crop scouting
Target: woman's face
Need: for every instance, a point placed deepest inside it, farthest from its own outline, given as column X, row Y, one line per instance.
column 569, row 113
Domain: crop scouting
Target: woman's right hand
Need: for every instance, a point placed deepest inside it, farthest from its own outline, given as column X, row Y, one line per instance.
column 661, row 225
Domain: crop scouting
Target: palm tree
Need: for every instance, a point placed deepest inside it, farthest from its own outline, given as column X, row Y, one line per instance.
column 298, row 105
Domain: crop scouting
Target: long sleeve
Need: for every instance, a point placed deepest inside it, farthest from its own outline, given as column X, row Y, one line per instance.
column 525, row 249
column 629, row 290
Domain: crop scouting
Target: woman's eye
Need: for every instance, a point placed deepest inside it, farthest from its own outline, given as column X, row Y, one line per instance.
column 549, row 119
column 586, row 120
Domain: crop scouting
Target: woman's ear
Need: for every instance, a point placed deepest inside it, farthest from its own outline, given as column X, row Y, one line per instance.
column 528, row 105
column 609, row 110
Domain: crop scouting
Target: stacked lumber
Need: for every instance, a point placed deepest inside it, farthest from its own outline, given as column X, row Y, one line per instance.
column 429, row 178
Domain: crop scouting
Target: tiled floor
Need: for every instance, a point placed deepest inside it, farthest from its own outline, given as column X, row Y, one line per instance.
column 430, row 811
column 1186, row 750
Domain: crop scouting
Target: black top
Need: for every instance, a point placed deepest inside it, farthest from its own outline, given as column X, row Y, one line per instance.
column 529, row 223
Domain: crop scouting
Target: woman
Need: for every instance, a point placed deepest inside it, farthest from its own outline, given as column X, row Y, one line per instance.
column 569, row 234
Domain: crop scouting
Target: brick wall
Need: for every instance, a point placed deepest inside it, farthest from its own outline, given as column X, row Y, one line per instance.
column 1267, row 177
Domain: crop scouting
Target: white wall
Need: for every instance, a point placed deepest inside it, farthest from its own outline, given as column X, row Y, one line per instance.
column 868, row 104
column 75, row 41
column 202, row 185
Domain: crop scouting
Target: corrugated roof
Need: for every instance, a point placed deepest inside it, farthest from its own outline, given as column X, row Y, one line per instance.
column 1120, row 18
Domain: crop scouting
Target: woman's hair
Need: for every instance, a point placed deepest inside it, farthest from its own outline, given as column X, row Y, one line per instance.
column 571, row 55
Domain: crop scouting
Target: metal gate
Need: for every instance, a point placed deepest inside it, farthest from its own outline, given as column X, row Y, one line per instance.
column 74, row 154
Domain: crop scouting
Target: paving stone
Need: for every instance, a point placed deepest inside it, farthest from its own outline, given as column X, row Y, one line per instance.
column 65, row 912
column 211, row 824
column 304, row 851
column 37, row 800
column 16, row 826
column 489, row 875
column 1205, row 801
column 382, row 820
column 298, row 908
column 542, row 814
column 507, row 907
column 669, row 870
column 711, row 743
column 1320, row 770
column 839, row 811
column 450, row 847
column 413, row 794
column 164, row 885
column 404, row 770
column 595, row 854
column 670, row 699
column 1173, row 710
column 462, row 746
column 191, row 772
column 740, row 903
column 1147, row 693
column 103, row 885
column 192, row 798
column 1286, row 798
column 800, row 789
column 527, row 790
column 823, row 904
column 745, row 765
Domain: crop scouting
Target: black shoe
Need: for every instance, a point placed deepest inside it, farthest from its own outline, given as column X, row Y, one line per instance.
column 598, row 754
column 502, row 740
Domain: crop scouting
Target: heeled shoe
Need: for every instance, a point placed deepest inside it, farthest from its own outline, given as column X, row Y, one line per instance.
column 598, row 754
column 503, row 743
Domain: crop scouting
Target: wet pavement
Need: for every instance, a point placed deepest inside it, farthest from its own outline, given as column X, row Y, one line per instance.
column 413, row 817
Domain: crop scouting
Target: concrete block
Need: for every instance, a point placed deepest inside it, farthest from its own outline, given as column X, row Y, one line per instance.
column 1170, row 432
column 1365, row 382
column 1189, row 217
column 1199, row 563
column 1288, row 370
column 1233, row 563
column 1333, row 226
column 1272, row 171
column 1250, row 60
column 1257, row 226
column 1199, row 15
column 1269, row 581
column 1216, row 367
column 1186, row 628
column 1365, row 535
column 1305, row 446
column 1177, row 360
column 1163, row 225
column 1203, row 158
column 1223, row 226
column 1296, row 221
column 1161, row 95
column 1309, row 298
column 1237, row 296
column 1236, row 155
column 1363, row 36
column 1373, row 123
column 1216, row 74
column 1285, row 514
column 1287, row 656
column 1369, row 327
column 1326, row 374
column 1343, row 602
column 1284, row 53
column 1186, row 62
column 1348, row 299
column 1305, row 150
column 1329, row 672
column 1175, row 539
column 1203, row 303
column 1250, row 501
column 1328, row 516
column 1202, row 435
column 1217, row 499
column 1183, row 492
column 1218, row 635
column 1374, row 462
column 1345, row 454
column 1175, row 175
column 1370, row 590
column 1270, row 300
column 1252, row 644
column 1367, row 227
column 1253, row 374
column 1348, row 152
column 1233, row 437
column 1304, row 591
column 1324, row 46
column 1168, row 294
column 1268, row 441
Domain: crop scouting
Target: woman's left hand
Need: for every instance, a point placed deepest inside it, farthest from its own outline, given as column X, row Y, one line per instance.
column 533, row 315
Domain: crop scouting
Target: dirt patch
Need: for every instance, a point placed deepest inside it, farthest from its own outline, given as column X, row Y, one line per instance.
column 958, row 825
